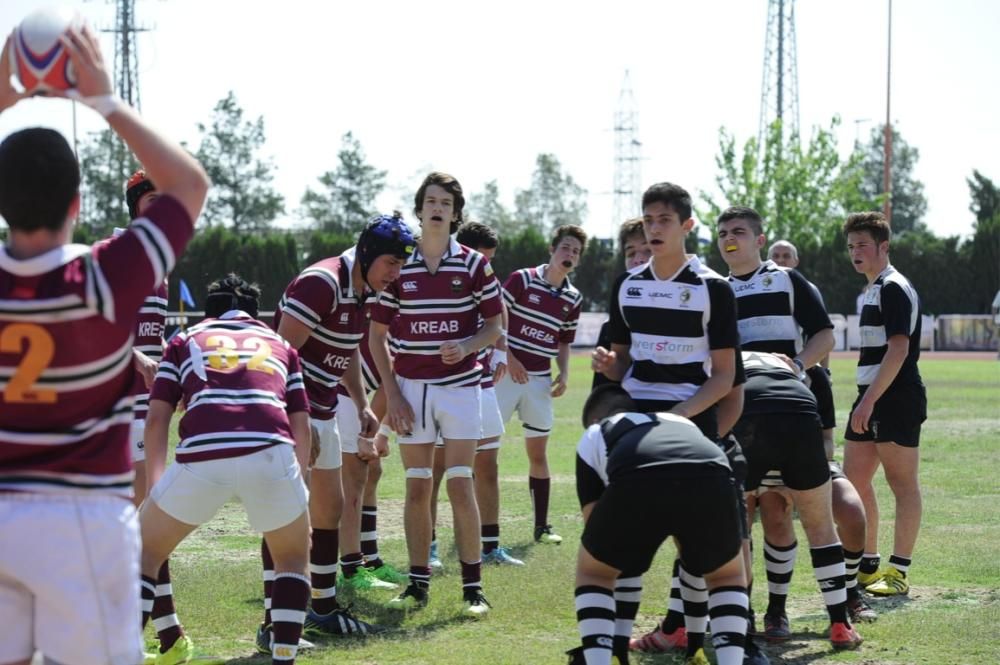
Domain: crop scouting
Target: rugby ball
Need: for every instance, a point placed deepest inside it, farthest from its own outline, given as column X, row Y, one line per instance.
column 39, row 59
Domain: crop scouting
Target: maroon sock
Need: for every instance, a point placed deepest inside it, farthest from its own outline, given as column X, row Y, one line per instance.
column 268, row 565
column 323, row 566
column 369, row 536
column 164, row 615
column 539, row 488
column 420, row 576
column 291, row 595
column 147, row 589
column 472, row 576
column 490, row 537
column 349, row 564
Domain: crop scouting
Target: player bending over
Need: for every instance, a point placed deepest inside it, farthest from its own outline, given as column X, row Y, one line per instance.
column 632, row 471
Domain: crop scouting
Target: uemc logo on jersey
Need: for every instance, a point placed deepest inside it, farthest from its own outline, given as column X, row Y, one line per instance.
column 528, row 332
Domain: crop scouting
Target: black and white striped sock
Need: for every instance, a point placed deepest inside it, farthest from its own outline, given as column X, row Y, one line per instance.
column 695, row 596
column 628, row 593
column 727, row 607
column 779, row 562
column 675, row 609
column 828, row 565
column 595, row 618
column 852, row 560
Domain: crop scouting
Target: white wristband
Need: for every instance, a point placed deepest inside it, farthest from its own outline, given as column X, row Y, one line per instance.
column 497, row 358
column 103, row 104
column 384, row 430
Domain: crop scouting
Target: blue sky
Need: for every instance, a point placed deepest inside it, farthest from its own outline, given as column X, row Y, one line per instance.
column 479, row 89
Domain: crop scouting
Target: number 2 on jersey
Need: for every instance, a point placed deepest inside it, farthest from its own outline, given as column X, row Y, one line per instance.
column 37, row 356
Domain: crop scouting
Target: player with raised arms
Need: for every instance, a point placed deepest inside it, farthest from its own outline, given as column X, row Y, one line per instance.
column 70, row 587
column 432, row 385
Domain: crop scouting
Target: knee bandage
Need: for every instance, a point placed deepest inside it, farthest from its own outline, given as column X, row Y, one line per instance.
column 422, row 472
column 458, row 472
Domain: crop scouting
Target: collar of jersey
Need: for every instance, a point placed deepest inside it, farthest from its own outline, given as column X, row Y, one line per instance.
column 347, row 259
column 692, row 261
column 43, row 263
column 542, row 269
column 453, row 249
column 885, row 273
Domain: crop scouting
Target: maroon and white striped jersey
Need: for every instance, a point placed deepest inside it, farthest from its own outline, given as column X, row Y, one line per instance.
column 540, row 317
column 433, row 308
column 67, row 322
column 149, row 340
column 149, row 328
column 238, row 381
column 323, row 298
column 370, row 378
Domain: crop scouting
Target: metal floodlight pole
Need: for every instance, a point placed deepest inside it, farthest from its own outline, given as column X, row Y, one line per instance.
column 887, row 141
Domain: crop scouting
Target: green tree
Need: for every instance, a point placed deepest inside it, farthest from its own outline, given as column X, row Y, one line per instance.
column 525, row 248
column 241, row 194
column 599, row 266
column 802, row 191
column 909, row 205
column 486, row 207
column 347, row 197
column 983, row 251
column 105, row 165
column 553, row 199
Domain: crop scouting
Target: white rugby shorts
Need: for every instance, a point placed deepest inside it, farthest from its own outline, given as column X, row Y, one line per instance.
column 492, row 421
column 448, row 411
column 326, row 436
column 69, row 579
column 268, row 482
column 531, row 400
column 348, row 425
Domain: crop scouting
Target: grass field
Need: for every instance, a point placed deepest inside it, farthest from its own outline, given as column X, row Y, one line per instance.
column 951, row 616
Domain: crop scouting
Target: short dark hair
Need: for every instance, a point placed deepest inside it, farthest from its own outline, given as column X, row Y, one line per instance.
column 449, row 184
column 477, row 235
column 669, row 194
column 232, row 292
column 606, row 400
column 569, row 231
column 874, row 222
column 629, row 228
column 743, row 212
column 39, row 178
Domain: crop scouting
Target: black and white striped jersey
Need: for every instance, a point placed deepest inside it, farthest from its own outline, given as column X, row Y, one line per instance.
column 891, row 307
column 629, row 441
column 671, row 326
column 775, row 307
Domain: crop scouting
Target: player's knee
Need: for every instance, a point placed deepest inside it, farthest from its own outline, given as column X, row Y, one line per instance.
column 459, row 471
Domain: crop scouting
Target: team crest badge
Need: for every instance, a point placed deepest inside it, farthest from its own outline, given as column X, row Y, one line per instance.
column 565, row 309
column 488, row 270
column 685, row 295
column 767, row 281
column 456, row 285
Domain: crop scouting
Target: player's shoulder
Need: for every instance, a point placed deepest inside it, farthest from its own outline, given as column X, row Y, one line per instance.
column 327, row 270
